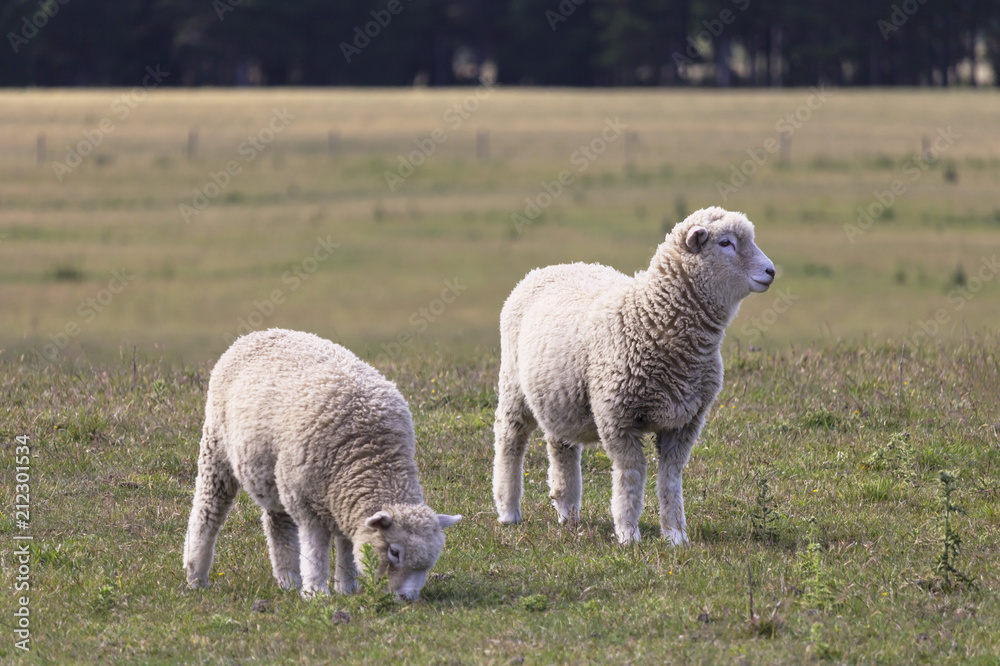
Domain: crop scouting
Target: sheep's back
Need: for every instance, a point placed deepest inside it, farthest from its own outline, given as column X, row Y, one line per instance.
column 286, row 392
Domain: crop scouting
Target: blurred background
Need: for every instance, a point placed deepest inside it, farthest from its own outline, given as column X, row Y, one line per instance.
column 175, row 174
column 524, row 42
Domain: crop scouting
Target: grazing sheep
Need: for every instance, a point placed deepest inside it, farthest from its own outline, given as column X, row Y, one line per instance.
column 324, row 444
column 589, row 354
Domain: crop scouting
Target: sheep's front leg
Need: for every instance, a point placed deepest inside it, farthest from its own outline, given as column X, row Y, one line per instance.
column 215, row 491
column 314, row 562
column 345, row 577
column 283, row 543
column 565, row 479
column 673, row 450
column 512, row 428
column 628, row 482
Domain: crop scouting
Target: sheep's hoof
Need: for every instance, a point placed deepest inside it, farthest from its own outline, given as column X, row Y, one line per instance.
column 312, row 593
column 197, row 582
column 675, row 537
column 345, row 588
column 568, row 515
column 630, row 536
column 509, row 517
column 289, row 581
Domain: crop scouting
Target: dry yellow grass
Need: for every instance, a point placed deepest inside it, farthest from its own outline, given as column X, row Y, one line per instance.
column 451, row 220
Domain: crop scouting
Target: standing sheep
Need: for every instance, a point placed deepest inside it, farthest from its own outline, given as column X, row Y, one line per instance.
column 589, row 354
column 324, row 444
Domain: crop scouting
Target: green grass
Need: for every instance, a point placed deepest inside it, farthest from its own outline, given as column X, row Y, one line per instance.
column 818, row 468
column 846, row 573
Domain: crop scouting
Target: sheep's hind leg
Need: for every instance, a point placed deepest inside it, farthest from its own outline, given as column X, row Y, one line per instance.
column 314, row 557
column 215, row 490
column 565, row 480
column 628, row 482
column 345, row 576
column 514, row 424
column 283, row 545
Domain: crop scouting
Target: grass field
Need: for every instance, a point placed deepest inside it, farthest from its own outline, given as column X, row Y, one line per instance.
column 451, row 220
column 815, row 485
column 843, row 567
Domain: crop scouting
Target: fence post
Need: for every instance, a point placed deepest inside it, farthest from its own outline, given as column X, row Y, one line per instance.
column 631, row 139
column 482, row 145
column 192, row 147
column 786, row 148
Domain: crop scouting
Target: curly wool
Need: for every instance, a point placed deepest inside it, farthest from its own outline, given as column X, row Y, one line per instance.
column 324, row 444
column 592, row 355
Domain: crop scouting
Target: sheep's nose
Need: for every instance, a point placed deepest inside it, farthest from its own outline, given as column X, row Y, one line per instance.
column 769, row 271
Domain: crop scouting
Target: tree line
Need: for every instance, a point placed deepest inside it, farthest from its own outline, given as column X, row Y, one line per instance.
column 518, row 42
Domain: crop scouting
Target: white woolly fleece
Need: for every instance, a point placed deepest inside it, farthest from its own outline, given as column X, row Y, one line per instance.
column 325, row 445
column 591, row 355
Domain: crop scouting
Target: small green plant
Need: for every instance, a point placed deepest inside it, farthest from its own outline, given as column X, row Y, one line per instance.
column 951, row 543
column 222, row 622
column 373, row 593
column 536, row 603
column 763, row 516
column 895, row 456
column 817, row 586
column 104, row 599
column 820, row 419
column 823, row 649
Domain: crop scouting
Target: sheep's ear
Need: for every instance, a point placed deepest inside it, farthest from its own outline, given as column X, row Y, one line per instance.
column 445, row 520
column 696, row 238
column 380, row 519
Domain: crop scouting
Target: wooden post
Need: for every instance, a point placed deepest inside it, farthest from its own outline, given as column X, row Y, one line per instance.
column 192, row 147
column 631, row 139
column 925, row 146
column 482, row 145
column 333, row 143
column 40, row 152
column 786, row 148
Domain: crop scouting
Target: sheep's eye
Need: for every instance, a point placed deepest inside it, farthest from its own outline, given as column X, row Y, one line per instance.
column 725, row 242
column 394, row 552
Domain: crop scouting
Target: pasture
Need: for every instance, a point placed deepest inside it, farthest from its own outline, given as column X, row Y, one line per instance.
column 813, row 497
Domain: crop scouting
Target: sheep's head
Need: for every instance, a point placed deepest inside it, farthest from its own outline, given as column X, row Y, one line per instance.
column 408, row 539
column 718, row 251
